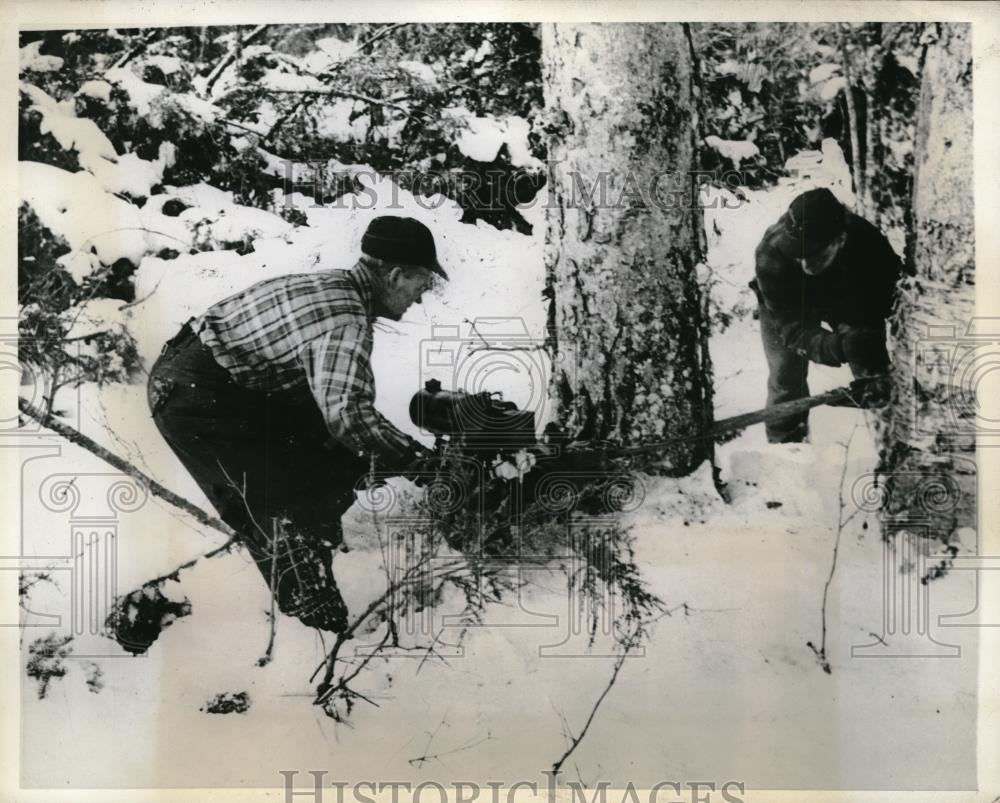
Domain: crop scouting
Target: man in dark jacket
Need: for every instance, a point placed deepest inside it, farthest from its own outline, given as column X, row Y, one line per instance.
column 821, row 264
column 268, row 400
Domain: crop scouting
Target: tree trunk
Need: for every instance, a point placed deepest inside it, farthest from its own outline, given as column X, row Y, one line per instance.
column 891, row 95
column 853, row 119
column 929, row 440
column 628, row 321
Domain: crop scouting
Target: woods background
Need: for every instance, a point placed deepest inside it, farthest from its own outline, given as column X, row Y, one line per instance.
column 460, row 111
column 155, row 164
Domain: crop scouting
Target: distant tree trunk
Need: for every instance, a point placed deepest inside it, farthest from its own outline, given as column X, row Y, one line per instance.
column 632, row 362
column 891, row 92
column 859, row 157
column 929, row 443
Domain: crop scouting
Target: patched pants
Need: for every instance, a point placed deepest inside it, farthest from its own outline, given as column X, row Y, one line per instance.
column 267, row 464
column 787, row 374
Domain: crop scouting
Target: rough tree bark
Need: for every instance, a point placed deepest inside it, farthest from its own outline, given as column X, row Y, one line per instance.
column 628, row 321
column 859, row 157
column 928, row 442
column 891, row 92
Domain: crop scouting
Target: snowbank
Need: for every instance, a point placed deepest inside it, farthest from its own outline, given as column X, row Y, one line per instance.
column 117, row 174
column 736, row 151
column 481, row 138
column 30, row 60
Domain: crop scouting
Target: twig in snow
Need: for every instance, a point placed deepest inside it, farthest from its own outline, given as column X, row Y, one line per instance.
column 132, row 450
column 432, row 652
column 146, row 297
column 420, row 760
column 265, row 659
column 841, row 523
column 631, row 642
column 175, row 573
column 430, row 738
column 415, row 574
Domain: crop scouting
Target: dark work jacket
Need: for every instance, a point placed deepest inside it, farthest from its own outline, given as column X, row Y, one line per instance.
column 857, row 289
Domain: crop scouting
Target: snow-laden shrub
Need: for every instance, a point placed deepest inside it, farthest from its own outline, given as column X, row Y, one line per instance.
column 62, row 334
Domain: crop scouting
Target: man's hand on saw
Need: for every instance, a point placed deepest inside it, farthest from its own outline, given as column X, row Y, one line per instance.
column 423, row 468
column 871, row 391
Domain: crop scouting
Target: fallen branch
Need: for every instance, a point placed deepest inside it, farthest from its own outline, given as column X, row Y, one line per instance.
column 79, row 439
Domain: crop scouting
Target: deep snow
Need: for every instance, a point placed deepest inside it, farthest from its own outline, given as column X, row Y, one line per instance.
column 726, row 689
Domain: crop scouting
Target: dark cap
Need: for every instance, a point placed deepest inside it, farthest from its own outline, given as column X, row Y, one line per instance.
column 813, row 220
column 402, row 240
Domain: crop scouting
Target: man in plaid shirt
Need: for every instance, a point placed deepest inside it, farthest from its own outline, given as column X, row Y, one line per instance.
column 268, row 400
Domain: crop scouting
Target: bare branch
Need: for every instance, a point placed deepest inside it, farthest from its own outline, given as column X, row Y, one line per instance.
column 136, row 49
column 78, row 438
column 420, row 760
column 379, row 34
column 146, row 297
column 415, row 574
column 230, row 57
column 330, row 72
column 619, row 662
column 269, row 652
column 841, row 523
column 87, row 336
column 390, row 103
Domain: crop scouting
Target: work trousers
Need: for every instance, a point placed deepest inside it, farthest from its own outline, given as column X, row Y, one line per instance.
column 267, row 464
column 788, row 372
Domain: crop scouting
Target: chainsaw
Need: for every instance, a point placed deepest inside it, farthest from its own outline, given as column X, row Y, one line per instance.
column 518, row 468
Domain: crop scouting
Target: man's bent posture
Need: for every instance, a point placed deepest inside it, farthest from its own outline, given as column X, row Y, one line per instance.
column 821, row 264
column 268, row 400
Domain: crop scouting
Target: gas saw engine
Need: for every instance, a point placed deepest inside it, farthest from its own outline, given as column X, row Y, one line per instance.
column 496, row 468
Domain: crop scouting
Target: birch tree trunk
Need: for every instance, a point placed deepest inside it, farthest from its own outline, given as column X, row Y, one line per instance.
column 628, row 320
column 929, row 441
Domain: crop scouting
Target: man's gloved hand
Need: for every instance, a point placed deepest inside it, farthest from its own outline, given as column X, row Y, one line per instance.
column 423, row 468
column 863, row 344
column 871, row 391
column 827, row 349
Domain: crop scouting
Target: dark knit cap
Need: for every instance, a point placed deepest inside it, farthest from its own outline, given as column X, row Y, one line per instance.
column 813, row 220
column 402, row 240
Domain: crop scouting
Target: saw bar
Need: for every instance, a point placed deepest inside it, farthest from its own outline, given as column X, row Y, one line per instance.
column 849, row 396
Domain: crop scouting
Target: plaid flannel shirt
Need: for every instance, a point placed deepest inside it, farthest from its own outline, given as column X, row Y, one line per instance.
column 310, row 331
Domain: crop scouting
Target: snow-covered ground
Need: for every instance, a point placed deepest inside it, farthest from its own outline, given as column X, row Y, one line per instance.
column 727, row 688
